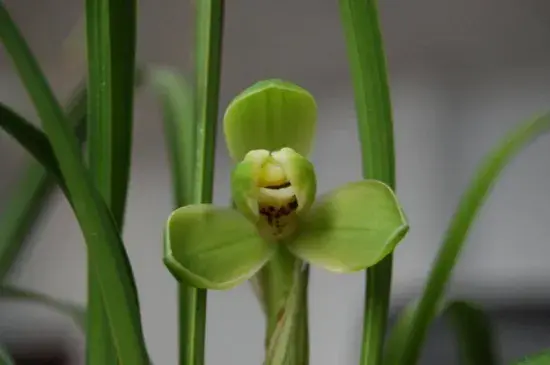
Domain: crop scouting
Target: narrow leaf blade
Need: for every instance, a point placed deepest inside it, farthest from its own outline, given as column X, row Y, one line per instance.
column 351, row 228
column 473, row 332
column 471, row 325
column 24, row 206
column 538, row 359
column 5, row 358
column 75, row 312
column 367, row 60
column 31, row 138
column 457, row 231
column 100, row 231
column 213, row 248
column 111, row 39
column 180, row 130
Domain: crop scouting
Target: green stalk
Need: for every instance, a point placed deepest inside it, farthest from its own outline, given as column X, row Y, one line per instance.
column 111, row 33
column 301, row 349
column 190, row 129
column 374, row 117
column 109, row 258
column 284, row 345
column 180, row 133
column 209, row 33
column 27, row 202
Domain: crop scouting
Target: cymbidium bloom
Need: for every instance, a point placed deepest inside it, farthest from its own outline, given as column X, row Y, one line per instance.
column 269, row 130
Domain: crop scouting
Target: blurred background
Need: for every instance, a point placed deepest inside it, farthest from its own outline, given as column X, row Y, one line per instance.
column 462, row 74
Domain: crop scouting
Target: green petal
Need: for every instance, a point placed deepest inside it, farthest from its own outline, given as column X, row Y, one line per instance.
column 351, row 228
column 213, row 248
column 244, row 189
column 301, row 174
column 270, row 115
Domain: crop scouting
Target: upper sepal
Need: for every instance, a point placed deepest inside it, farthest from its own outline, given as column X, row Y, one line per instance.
column 213, row 248
column 351, row 228
column 270, row 115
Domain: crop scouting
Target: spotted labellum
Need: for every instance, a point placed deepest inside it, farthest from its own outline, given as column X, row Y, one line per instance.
column 269, row 131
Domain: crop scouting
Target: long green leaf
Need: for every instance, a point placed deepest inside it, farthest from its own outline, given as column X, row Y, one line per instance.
column 372, row 102
column 32, row 138
column 539, row 359
column 109, row 257
column 176, row 98
column 471, row 325
column 5, row 358
column 474, row 333
column 75, row 312
column 24, row 206
column 458, row 229
column 111, row 39
column 209, row 31
column 26, row 203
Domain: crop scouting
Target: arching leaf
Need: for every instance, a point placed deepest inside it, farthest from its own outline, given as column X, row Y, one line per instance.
column 540, row 359
column 5, row 358
column 351, row 228
column 213, row 248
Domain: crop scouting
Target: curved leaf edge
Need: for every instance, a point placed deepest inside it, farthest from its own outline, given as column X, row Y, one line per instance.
column 391, row 243
column 453, row 311
column 183, row 274
column 473, row 198
column 539, row 358
column 74, row 311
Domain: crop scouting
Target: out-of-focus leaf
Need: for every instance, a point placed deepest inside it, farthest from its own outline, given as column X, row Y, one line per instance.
column 471, row 325
column 75, row 312
column 473, row 332
column 180, row 129
column 5, row 358
column 539, row 359
column 457, row 232
column 25, row 204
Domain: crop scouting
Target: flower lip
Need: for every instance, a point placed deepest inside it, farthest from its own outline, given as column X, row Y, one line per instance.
column 277, row 202
column 272, row 188
column 277, row 187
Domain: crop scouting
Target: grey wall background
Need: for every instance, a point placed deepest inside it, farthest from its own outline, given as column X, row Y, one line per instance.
column 462, row 74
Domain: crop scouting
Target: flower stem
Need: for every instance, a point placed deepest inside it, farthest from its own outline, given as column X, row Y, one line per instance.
column 209, row 33
column 372, row 101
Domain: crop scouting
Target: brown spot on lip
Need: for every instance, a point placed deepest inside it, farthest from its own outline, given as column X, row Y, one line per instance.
column 293, row 205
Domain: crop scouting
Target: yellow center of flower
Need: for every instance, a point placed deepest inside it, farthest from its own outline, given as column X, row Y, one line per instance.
column 277, row 201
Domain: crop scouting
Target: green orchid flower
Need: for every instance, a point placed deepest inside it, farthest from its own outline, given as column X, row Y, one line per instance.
column 269, row 131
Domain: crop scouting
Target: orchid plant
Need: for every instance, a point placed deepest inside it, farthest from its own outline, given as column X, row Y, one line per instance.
column 276, row 225
column 269, row 131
